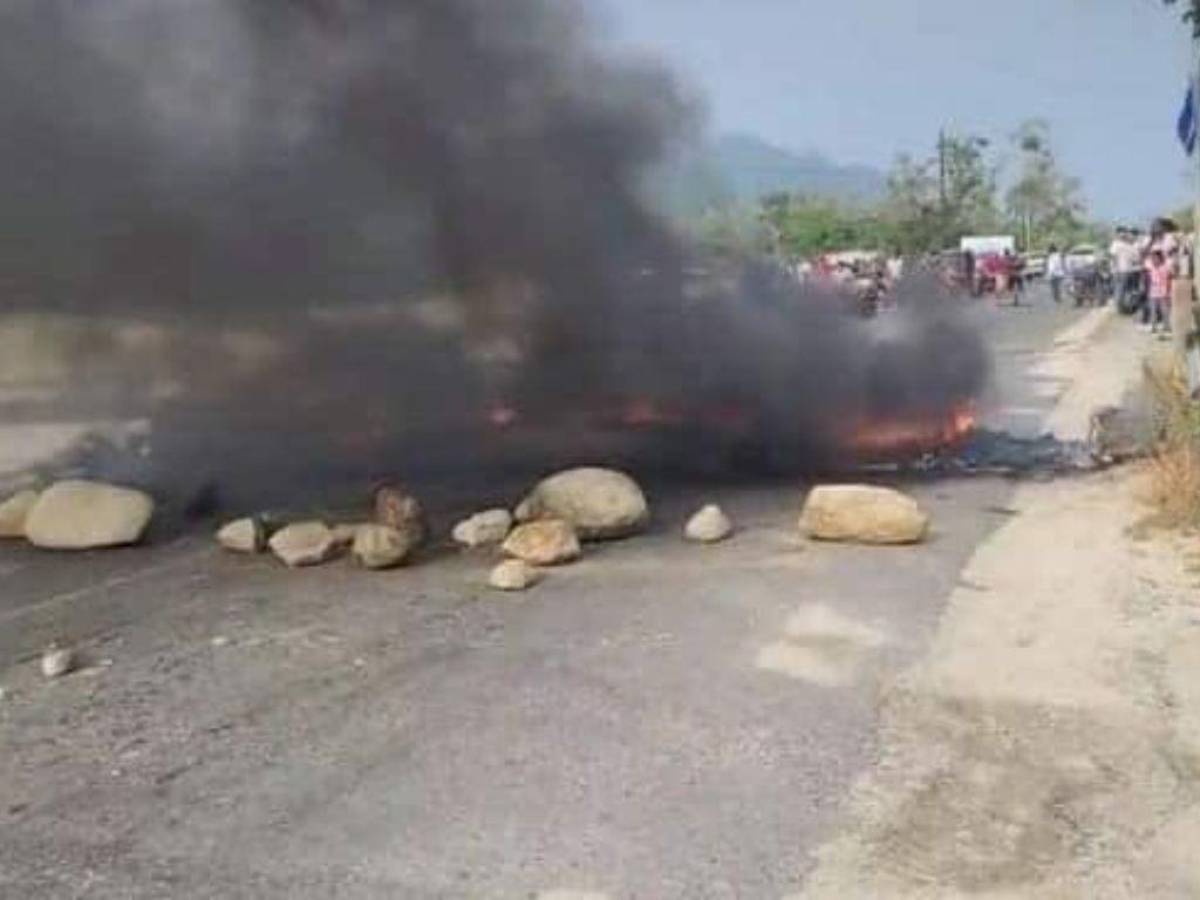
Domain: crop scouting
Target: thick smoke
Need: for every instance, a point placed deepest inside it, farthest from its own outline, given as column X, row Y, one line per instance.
column 351, row 231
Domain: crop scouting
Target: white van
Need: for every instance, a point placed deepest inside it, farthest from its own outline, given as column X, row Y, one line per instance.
column 987, row 246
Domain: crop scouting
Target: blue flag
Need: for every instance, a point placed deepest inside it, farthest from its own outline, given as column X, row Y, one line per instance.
column 1188, row 122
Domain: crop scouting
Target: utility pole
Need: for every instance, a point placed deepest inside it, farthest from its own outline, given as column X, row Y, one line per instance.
column 944, row 207
column 942, row 168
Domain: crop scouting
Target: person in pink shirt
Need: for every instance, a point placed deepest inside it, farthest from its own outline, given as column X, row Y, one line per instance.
column 1161, row 273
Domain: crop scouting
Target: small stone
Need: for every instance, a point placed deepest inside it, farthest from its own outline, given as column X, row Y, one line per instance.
column 382, row 547
column 14, row 511
column 514, row 575
column 220, row 641
column 243, row 536
column 58, row 661
column 550, row 542
column 709, row 526
column 304, row 544
column 82, row 515
column 398, row 509
column 484, row 529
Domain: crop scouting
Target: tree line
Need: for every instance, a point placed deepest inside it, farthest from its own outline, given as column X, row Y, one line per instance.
column 967, row 186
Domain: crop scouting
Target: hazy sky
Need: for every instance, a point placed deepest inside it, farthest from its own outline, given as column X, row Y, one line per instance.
column 862, row 80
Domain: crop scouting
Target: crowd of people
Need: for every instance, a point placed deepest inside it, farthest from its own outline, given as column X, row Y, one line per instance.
column 1138, row 273
column 1145, row 268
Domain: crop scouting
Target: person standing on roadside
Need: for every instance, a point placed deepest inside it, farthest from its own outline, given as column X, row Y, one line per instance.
column 1127, row 265
column 1018, row 277
column 1013, row 272
column 1056, row 272
column 968, row 267
column 1160, row 271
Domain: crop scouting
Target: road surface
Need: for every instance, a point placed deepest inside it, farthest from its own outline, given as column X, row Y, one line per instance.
column 657, row 721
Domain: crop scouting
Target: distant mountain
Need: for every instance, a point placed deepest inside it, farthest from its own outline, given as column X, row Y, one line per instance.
column 742, row 169
column 754, row 168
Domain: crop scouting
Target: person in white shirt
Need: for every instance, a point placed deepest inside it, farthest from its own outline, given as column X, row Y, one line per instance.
column 1127, row 266
column 1056, row 272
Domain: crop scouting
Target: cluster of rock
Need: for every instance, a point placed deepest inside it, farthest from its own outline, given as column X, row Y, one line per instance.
column 77, row 515
column 396, row 533
column 551, row 525
column 548, row 528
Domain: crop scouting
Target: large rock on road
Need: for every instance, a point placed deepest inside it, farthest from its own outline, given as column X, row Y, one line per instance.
column 863, row 514
column 83, row 515
column 600, row 504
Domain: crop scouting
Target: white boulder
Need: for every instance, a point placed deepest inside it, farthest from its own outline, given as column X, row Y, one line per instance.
column 599, row 503
column 82, row 515
column 863, row 514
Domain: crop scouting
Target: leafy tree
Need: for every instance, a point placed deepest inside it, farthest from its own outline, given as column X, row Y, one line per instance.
column 934, row 202
column 970, row 187
column 914, row 206
column 1043, row 203
column 802, row 226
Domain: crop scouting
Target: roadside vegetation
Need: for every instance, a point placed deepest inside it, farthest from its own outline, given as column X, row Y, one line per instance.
column 1174, row 485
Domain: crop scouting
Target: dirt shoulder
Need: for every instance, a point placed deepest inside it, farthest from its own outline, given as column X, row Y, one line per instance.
column 1049, row 744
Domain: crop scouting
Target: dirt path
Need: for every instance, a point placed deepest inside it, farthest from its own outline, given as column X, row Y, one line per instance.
column 1049, row 744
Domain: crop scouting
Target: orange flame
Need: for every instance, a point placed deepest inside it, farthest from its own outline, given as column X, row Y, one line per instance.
column 914, row 435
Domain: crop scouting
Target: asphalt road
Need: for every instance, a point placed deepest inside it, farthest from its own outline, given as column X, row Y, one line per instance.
column 242, row 731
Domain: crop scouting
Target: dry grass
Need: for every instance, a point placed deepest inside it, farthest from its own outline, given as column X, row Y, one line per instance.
column 1174, row 483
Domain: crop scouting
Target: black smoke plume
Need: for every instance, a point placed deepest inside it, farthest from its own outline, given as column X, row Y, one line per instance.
column 353, row 237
